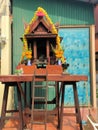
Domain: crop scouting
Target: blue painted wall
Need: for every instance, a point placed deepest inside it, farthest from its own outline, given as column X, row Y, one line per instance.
column 76, row 44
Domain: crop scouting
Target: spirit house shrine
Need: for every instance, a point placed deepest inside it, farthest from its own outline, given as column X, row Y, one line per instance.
column 41, row 43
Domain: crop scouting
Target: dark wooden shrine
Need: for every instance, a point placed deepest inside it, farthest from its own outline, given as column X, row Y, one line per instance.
column 41, row 39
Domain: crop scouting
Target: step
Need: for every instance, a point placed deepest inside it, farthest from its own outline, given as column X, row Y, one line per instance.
column 44, row 98
column 37, row 123
column 39, row 86
column 39, row 110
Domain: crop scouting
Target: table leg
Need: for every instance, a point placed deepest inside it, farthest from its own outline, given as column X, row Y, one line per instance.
column 20, row 109
column 25, row 89
column 22, row 93
column 4, row 105
column 62, row 104
column 57, row 103
column 77, row 109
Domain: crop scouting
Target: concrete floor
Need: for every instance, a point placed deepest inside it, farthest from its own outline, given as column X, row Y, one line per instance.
column 69, row 122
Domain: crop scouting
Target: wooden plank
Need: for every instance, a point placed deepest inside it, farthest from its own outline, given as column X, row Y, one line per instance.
column 51, row 77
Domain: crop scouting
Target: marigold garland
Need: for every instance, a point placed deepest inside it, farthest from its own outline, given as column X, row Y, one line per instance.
column 27, row 51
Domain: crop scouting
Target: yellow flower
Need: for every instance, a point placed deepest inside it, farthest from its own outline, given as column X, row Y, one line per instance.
column 23, row 54
column 28, row 56
column 63, row 59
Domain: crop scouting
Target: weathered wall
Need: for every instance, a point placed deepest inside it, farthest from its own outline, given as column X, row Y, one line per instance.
column 67, row 13
column 6, row 52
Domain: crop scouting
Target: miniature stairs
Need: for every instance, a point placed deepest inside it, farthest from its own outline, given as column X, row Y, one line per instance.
column 39, row 99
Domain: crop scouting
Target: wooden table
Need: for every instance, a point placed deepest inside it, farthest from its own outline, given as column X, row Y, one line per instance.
column 65, row 79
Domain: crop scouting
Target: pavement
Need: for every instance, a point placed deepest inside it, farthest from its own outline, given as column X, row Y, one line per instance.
column 69, row 122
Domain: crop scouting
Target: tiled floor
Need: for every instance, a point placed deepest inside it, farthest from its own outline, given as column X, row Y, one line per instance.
column 69, row 123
